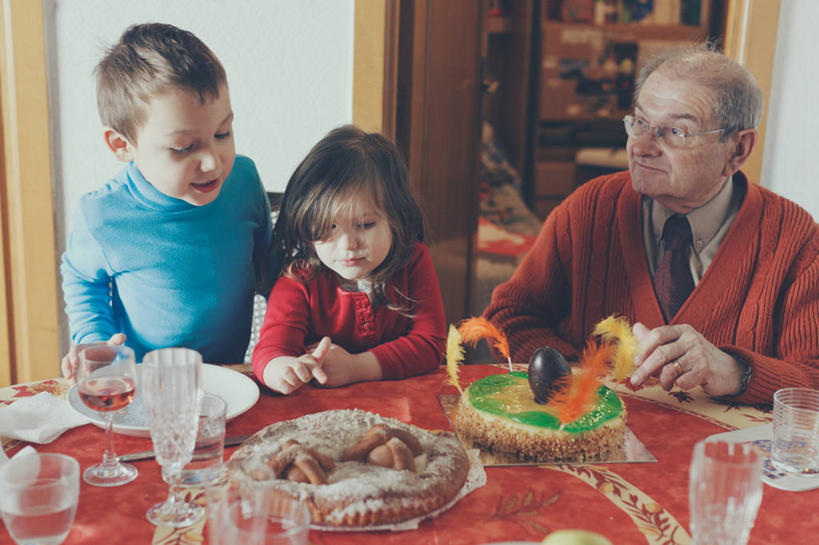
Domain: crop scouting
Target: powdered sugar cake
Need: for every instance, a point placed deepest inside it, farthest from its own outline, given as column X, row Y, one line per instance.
column 329, row 461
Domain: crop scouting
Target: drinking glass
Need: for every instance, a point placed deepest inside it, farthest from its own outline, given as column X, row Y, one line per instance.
column 261, row 519
column 795, row 448
column 172, row 390
column 206, row 464
column 725, row 490
column 38, row 497
column 106, row 382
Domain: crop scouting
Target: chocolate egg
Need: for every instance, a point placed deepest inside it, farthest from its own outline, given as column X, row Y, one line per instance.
column 545, row 367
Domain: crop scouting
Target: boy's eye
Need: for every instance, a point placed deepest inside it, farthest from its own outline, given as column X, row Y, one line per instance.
column 186, row 149
column 222, row 135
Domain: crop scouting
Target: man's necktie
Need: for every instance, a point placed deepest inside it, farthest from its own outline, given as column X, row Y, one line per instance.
column 672, row 279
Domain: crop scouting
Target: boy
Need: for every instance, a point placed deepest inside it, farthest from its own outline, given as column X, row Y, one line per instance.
column 170, row 251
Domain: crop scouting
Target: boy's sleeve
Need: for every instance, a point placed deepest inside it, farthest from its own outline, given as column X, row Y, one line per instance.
column 421, row 349
column 266, row 260
column 86, row 286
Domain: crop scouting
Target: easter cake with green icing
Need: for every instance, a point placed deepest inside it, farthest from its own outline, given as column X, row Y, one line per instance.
column 500, row 412
column 554, row 410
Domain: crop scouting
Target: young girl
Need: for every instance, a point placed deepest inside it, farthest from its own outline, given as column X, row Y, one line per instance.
column 358, row 298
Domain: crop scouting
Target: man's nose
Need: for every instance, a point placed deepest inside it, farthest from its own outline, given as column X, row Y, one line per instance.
column 645, row 144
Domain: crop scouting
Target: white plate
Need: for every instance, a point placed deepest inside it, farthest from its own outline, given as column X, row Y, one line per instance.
column 239, row 391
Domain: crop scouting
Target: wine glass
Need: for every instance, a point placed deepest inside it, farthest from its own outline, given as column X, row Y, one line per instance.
column 172, row 390
column 725, row 491
column 38, row 497
column 106, row 382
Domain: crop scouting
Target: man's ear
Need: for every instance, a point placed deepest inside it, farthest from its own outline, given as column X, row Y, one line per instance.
column 744, row 143
column 118, row 144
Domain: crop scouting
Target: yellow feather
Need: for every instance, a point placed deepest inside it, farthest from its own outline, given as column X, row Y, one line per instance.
column 617, row 329
column 454, row 356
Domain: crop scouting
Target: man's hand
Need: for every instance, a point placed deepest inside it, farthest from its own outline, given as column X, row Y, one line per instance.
column 287, row 374
column 679, row 354
column 68, row 365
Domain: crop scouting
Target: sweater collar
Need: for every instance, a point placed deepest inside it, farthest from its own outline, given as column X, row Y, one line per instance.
column 719, row 278
column 149, row 196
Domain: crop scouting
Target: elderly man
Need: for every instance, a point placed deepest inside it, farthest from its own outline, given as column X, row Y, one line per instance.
column 719, row 276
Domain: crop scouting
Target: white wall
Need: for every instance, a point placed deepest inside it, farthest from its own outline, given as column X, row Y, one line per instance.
column 789, row 165
column 289, row 65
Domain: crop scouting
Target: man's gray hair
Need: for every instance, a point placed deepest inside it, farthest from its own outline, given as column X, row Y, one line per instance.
column 738, row 103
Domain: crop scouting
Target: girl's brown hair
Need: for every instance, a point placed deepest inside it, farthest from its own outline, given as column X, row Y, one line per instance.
column 341, row 167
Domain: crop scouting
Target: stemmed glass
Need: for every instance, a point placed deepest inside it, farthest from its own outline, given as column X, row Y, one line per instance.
column 106, row 382
column 172, row 390
column 725, row 490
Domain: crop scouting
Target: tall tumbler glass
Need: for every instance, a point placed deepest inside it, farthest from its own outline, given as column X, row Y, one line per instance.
column 172, row 391
column 725, row 490
column 795, row 448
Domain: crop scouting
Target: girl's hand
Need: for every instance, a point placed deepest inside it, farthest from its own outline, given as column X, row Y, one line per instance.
column 68, row 365
column 287, row 374
column 338, row 366
column 342, row 368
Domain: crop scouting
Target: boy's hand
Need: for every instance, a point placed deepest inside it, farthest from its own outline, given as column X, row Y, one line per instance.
column 68, row 365
column 286, row 374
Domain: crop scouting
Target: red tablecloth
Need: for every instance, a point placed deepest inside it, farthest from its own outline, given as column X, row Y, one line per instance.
column 627, row 502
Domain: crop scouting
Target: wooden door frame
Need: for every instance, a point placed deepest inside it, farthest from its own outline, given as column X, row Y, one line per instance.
column 375, row 65
column 750, row 39
column 28, row 278
column 447, row 193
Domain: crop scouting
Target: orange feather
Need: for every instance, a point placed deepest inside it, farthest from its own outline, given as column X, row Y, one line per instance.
column 573, row 402
column 474, row 329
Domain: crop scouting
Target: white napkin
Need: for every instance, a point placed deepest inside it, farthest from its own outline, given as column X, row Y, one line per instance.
column 4, row 458
column 40, row 418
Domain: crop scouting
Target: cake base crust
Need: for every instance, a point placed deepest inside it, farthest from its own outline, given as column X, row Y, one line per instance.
column 536, row 443
column 356, row 494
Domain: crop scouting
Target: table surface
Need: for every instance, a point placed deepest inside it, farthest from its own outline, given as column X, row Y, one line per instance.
column 626, row 502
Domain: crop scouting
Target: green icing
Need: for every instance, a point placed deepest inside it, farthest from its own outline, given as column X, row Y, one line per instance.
column 482, row 396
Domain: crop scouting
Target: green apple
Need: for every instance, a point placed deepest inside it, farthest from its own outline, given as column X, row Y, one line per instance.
column 575, row 537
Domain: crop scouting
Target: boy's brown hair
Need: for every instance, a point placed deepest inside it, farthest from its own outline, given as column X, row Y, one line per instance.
column 148, row 60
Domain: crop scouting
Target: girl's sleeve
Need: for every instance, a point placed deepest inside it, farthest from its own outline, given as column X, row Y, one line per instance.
column 285, row 324
column 87, row 284
column 421, row 349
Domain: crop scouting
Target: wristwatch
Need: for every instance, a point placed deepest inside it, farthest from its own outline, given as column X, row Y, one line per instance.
column 746, row 373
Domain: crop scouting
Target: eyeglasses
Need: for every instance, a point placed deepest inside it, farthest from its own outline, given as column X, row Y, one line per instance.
column 671, row 136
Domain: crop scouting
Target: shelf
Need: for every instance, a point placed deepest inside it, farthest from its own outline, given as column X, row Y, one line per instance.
column 499, row 25
column 635, row 32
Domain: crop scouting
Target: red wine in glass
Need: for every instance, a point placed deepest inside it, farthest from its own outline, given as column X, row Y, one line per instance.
column 106, row 382
column 108, row 393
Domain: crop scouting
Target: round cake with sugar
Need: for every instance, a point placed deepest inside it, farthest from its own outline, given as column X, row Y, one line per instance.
column 352, row 468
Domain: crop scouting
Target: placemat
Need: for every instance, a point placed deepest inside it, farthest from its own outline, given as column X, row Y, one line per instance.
column 761, row 437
